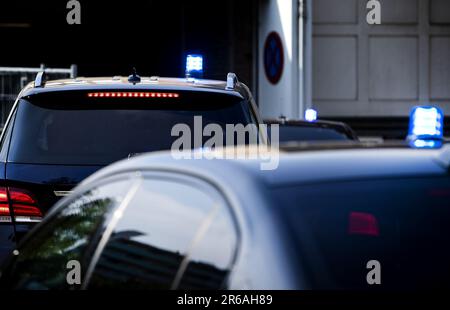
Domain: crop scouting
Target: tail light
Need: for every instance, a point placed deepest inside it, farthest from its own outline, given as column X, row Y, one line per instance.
column 5, row 215
column 363, row 224
column 24, row 206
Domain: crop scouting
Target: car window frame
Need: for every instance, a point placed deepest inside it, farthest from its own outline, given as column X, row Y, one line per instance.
column 59, row 207
column 7, row 132
column 193, row 181
column 243, row 106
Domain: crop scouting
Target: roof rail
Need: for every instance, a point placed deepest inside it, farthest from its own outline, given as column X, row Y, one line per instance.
column 40, row 79
column 232, row 80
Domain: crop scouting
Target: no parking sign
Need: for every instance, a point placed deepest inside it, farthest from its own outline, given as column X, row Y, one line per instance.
column 273, row 57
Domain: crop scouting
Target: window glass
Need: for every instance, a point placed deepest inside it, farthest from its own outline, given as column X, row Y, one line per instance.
column 404, row 224
column 213, row 255
column 42, row 261
column 162, row 225
column 299, row 133
column 99, row 131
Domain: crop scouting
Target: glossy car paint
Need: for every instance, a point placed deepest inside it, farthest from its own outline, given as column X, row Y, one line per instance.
column 43, row 180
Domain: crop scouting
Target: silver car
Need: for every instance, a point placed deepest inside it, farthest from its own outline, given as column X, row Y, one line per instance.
column 341, row 216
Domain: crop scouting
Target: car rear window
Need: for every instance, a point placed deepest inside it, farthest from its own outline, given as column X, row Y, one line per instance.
column 306, row 133
column 74, row 129
column 403, row 224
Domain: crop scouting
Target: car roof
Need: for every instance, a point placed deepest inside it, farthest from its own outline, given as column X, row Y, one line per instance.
column 298, row 122
column 298, row 165
column 146, row 83
column 322, row 124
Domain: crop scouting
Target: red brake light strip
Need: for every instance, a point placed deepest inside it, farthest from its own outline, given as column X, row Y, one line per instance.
column 133, row 95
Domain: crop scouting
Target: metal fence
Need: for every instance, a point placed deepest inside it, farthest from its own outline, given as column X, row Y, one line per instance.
column 13, row 79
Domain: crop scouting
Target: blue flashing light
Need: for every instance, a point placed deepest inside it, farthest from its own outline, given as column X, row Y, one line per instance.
column 194, row 65
column 311, row 115
column 426, row 144
column 426, row 123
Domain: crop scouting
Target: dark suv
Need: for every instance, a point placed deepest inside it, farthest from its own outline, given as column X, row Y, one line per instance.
column 60, row 132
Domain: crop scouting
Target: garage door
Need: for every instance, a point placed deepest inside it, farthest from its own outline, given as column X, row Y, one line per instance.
column 380, row 70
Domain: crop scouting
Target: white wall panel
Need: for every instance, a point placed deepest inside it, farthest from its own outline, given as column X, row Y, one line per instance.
column 335, row 68
column 439, row 12
column 399, row 11
column 440, row 68
column 393, row 71
column 401, row 63
column 326, row 11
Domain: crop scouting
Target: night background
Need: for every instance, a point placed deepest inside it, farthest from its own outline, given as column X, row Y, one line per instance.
column 369, row 76
column 113, row 37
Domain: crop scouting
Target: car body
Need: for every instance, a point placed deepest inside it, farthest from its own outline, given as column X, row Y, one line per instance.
column 322, row 220
column 308, row 131
column 59, row 132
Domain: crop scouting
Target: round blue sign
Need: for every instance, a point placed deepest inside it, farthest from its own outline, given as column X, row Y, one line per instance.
column 273, row 58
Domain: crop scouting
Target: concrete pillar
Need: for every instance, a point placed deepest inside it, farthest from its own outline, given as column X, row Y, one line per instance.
column 279, row 96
